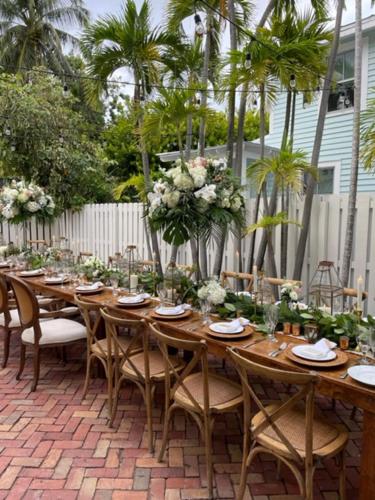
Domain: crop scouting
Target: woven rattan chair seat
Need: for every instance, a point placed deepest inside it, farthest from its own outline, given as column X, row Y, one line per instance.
column 327, row 439
column 156, row 363
column 224, row 394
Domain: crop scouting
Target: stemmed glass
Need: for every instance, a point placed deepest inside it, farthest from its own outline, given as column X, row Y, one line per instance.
column 114, row 284
column 162, row 293
column 271, row 316
column 363, row 342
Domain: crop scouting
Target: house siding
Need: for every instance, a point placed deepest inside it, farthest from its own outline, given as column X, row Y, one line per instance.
column 337, row 136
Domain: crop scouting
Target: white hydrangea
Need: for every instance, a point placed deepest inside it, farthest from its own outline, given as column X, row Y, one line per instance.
column 10, row 211
column 236, row 204
column 24, row 195
column 160, row 187
column 155, row 201
column 199, row 175
column 199, row 162
column 221, row 163
column 293, row 296
column 171, row 199
column 207, row 193
column 32, row 206
column 172, row 172
column 183, row 182
column 213, row 292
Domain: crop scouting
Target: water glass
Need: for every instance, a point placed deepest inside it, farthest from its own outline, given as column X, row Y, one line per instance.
column 205, row 310
column 271, row 317
column 114, row 285
column 162, row 293
column 365, row 348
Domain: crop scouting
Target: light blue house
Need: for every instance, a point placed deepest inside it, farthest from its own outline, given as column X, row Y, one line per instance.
column 336, row 153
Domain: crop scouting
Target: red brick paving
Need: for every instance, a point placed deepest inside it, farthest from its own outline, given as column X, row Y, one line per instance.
column 53, row 446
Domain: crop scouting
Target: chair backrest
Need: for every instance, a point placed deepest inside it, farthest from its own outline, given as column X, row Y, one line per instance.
column 37, row 243
column 4, row 301
column 91, row 314
column 82, row 256
column 306, row 389
column 118, row 350
column 199, row 359
column 27, row 305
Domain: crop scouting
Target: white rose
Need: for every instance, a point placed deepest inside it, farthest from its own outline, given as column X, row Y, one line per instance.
column 183, row 182
column 23, row 196
column 293, row 296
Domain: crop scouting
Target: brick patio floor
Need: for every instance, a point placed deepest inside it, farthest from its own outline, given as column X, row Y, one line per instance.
column 53, row 446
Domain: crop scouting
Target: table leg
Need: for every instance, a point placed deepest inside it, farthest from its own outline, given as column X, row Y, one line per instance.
column 367, row 483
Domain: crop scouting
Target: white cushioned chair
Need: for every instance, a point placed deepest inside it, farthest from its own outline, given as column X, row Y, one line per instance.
column 58, row 331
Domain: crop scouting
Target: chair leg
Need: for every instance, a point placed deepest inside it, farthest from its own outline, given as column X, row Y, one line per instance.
column 167, row 417
column 87, row 379
column 244, row 467
column 353, row 412
column 36, row 369
column 22, row 361
column 148, row 402
column 309, row 484
column 6, row 347
column 208, row 450
column 115, row 402
column 342, row 482
column 63, row 355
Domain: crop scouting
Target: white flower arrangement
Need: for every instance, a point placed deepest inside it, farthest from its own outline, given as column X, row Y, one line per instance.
column 213, row 292
column 188, row 198
column 290, row 292
column 19, row 201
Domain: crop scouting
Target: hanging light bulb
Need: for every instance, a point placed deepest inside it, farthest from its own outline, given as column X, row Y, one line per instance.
column 198, row 100
column 199, row 28
column 292, row 81
column 7, row 131
column 65, row 90
column 248, row 60
column 61, row 139
column 255, row 102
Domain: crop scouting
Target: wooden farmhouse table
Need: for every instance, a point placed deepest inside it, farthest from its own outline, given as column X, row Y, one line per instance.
column 330, row 383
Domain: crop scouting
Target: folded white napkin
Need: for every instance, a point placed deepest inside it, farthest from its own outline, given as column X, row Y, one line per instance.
column 320, row 349
column 31, row 272
column 54, row 279
column 171, row 311
column 231, row 326
column 91, row 286
column 134, row 299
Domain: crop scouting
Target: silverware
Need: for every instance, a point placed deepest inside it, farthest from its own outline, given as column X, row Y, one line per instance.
column 278, row 351
column 252, row 343
column 344, row 375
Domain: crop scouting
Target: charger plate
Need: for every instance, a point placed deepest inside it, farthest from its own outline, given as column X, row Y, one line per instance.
column 170, row 317
column 143, row 303
column 340, row 359
column 247, row 331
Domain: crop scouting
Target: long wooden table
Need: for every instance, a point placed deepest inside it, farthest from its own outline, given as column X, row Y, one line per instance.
column 330, row 384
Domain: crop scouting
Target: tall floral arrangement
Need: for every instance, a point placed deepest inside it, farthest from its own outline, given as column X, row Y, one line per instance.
column 195, row 198
column 20, row 201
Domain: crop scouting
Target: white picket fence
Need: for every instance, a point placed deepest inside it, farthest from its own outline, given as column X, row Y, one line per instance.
column 108, row 228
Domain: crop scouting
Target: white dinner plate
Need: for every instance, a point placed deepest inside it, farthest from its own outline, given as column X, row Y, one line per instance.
column 169, row 311
column 363, row 373
column 130, row 300
column 55, row 280
column 33, row 272
column 222, row 327
column 4, row 264
column 307, row 352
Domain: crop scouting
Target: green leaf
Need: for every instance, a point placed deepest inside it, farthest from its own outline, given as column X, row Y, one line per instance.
column 230, row 307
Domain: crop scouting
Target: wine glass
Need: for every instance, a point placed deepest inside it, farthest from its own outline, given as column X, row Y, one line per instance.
column 271, row 316
column 162, row 293
column 365, row 348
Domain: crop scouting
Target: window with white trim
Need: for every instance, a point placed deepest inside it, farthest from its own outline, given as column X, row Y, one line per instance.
column 325, row 184
column 342, row 93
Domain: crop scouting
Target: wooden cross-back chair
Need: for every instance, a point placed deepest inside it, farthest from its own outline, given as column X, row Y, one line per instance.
column 37, row 243
column 82, row 256
column 287, row 429
column 145, row 368
column 9, row 318
column 202, row 394
column 98, row 347
column 57, row 331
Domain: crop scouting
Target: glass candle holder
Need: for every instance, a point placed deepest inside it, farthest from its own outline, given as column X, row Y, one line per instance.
column 296, row 329
column 344, row 342
column 287, row 328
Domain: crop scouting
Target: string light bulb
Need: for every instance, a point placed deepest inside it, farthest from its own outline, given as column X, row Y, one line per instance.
column 65, row 90
column 199, row 28
column 292, row 81
column 7, row 131
column 248, row 60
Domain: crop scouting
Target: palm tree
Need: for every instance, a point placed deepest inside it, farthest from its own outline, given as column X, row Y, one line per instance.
column 32, row 33
column 300, row 254
column 348, row 247
column 128, row 41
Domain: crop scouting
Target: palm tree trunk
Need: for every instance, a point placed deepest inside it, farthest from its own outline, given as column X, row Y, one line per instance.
column 267, row 12
column 348, row 248
column 232, row 94
column 285, row 191
column 300, row 254
column 189, row 136
column 202, row 129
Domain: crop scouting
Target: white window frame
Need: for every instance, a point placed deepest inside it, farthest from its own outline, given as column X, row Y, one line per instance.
column 345, row 47
column 336, row 166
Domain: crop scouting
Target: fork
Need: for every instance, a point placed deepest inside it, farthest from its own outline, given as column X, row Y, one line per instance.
column 278, row 351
